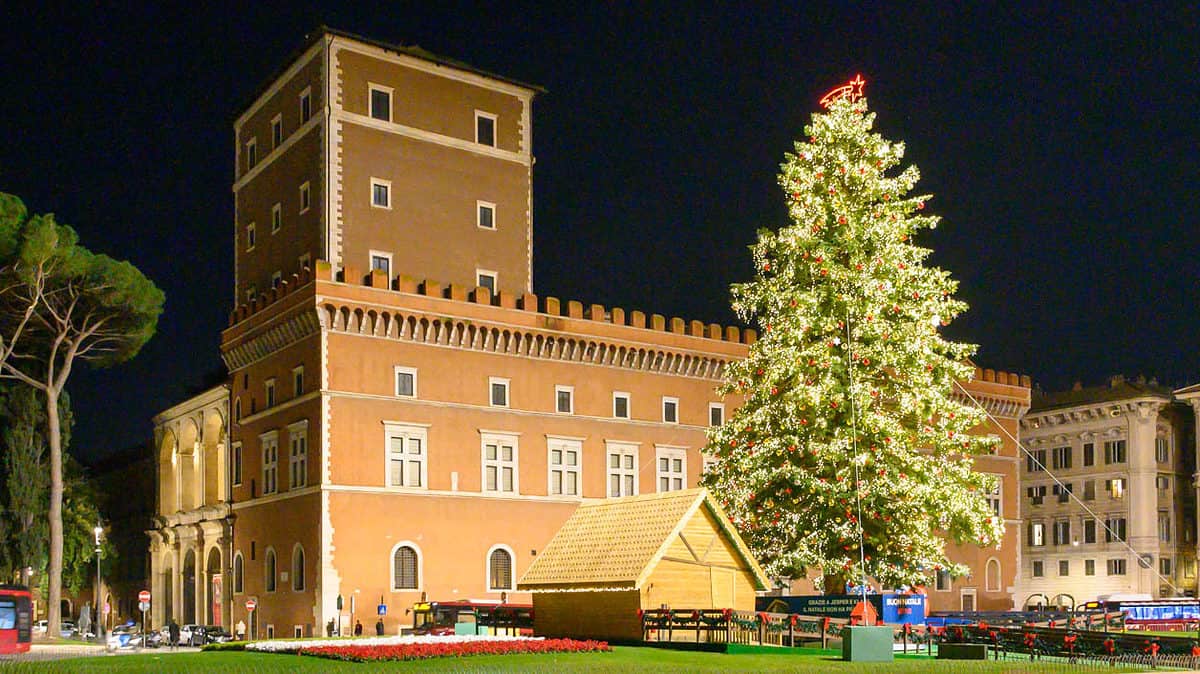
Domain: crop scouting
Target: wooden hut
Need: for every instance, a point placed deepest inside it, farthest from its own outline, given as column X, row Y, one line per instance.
column 616, row 556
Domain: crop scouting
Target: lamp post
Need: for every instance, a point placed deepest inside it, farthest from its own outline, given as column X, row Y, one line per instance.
column 96, row 603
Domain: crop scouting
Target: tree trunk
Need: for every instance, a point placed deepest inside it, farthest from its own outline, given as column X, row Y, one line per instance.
column 54, row 596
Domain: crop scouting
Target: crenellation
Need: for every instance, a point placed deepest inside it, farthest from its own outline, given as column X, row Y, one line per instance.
column 406, row 284
column 637, row 319
column 507, row 300
column 677, row 325
column 430, row 288
column 714, row 331
column 574, row 309
column 696, row 328
column 551, row 306
column 457, row 292
column 732, row 334
column 596, row 312
column 529, row 302
column 481, row 295
column 658, row 322
column 379, row 279
column 618, row 316
column 749, row 336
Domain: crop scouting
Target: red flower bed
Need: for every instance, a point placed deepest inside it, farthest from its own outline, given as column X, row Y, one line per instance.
column 453, row 649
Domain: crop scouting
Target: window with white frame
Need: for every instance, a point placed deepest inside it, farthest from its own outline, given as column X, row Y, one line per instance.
column 1039, row 568
column 670, row 410
column 407, row 452
column 941, row 581
column 995, row 497
column 239, row 573
column 485, row 215
column 498, row 391
column 1164, row 526
column 1114, row 451
column 276, row 217
column 500, row 464
column 564, row 463
column 381, row 193
column 406, row 382
column 298, row 454
column 236, row 478
column 564, row 399
column 305, row 197
column 251, row 237
column 306, row 105
column 620, row 405
column 622, row 469
column 270, row 462
column 269, row 386
column 485, row 128
column 406, row 567
column 298, row 568
column 1089, row 567
column 1115, row 487
column 716, row 414
column 1036, row 534
column 251, row 153
column 1116, row 567
column 500, row 569
column 276, row 131
column 486, row 279
column 381, row 261
column 298, row 381
column 671, row 468
column 276, row 279
column 381, row 102
column 269, row 571
column 1162, row 453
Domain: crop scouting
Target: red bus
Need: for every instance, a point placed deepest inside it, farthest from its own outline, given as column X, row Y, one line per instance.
column 16, row 619
column 442, row 618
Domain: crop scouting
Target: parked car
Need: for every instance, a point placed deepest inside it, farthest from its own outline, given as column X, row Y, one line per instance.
column 191, row 635
column 210, row 634
column 67, row 629
column 39, row 627
column 125, row 636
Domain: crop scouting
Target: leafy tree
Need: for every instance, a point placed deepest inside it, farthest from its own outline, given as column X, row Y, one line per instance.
column 66, row 304
column 850, row 425
column 80, row 517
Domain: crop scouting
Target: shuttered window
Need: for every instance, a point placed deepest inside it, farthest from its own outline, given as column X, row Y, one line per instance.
column 404, row 569
column 500, row 570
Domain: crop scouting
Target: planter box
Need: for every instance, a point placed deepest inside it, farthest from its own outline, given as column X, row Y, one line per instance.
column 962, row 652
column 867, row 644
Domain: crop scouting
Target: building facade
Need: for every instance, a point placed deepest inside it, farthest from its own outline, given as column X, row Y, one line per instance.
column 1107, row 496
column 406, row 418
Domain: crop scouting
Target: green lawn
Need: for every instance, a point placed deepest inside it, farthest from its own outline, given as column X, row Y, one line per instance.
column 622, row 659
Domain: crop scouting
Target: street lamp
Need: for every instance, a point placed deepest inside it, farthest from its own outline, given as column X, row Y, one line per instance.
column 99, row 615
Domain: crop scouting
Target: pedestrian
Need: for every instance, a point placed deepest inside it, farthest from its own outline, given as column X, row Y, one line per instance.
column 329, row 628
column 173, row 633
column 379, row 628
column 240, row 630
column 357, row 628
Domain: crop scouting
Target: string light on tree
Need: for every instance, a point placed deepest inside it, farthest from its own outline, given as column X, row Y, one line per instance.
column 851, row 456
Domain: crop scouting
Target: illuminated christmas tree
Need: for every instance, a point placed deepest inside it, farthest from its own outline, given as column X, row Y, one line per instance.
column 851, row 428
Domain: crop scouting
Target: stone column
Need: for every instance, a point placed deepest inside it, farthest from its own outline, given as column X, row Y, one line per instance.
column 201, row 578
column 1195, row 403
column 1143, row 495
column 177, row 581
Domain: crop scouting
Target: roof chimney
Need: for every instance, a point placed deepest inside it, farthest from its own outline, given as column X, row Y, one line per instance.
column 1077, row 386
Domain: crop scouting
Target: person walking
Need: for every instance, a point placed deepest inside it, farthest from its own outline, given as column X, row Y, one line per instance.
column 379, row 628
column 357, row 628
column 173, row 633
column 240, row 630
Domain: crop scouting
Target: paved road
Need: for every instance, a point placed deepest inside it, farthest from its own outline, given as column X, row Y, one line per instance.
column 63, row 651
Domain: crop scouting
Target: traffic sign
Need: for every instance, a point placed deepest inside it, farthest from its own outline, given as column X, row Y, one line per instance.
column 144, row 596
column 251, row 605
column 143, row 606
column 107, row 608
column 381, row 609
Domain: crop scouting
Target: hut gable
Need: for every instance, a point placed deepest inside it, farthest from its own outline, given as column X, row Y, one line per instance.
column 621, row 544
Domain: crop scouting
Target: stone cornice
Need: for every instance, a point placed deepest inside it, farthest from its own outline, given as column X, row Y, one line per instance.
column 996, row 406
column 1141, row 407
column 278, row 336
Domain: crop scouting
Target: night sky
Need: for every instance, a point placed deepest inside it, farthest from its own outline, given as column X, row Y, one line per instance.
column 1060, row 144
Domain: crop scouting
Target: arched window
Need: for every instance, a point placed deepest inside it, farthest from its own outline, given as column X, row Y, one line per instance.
column 405, row 568
column 992, row 575
column 298, row 568
column 500, row 569
column 238, row 575
column 269, row 568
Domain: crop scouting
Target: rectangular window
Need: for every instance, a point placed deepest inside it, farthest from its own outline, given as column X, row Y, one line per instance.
column 1062, row 532
column 306, row 105
column 1063, row 492
column 305, row 261
column 381, row 102
column 486, row 279
column 251, row 237
column 1038, row 569
column 269, row 386
column 1164, row 566
column 671, row 468
column 1115, row 487
column 1089, row 454
column 270, row 462
column 251, row 153
column 298, row 381
column 1114, row 529
column 1035, row 461
column 236, row 478
column 298, row 454
column 406, row 382
column 1060, row 457
column 276, row 217
column 1037, row 534
column 276, row 131
column 381, row 193
column 1089, row 531
column 1114, row 451
column 622, row 470
column 1089, row 567
column 995, row 497
column 942, row 581
column 1161, row 453
column 716, row 414
column 1089, row 490
column 500, row 464
column 620, row 405
column 406, row 455
column 237, row 409
column 498, row 391
column 1164, row 526
column 1037, row 494
column 670, row 410
column 485, row 128
column 1064, row 567
column 1116, row 567
column 564, row 399
column 564, row 460
column 305, row 197
column 251, row 294
column 1163, row 482
column 485, row 215
column 381, row 261
column 276, row 279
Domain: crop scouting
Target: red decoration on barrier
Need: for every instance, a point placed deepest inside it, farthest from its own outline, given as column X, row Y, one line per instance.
column 852, row 90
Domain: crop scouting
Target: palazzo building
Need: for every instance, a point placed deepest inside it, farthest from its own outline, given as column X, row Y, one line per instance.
column 1107, row 495
column 406, row 418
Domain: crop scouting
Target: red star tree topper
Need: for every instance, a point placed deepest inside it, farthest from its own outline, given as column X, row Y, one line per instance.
column 849, row 416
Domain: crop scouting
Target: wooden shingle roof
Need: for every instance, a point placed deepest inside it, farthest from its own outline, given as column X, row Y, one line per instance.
column 615, row 543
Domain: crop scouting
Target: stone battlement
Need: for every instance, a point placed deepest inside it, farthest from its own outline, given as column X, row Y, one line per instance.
column 1002, row 377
